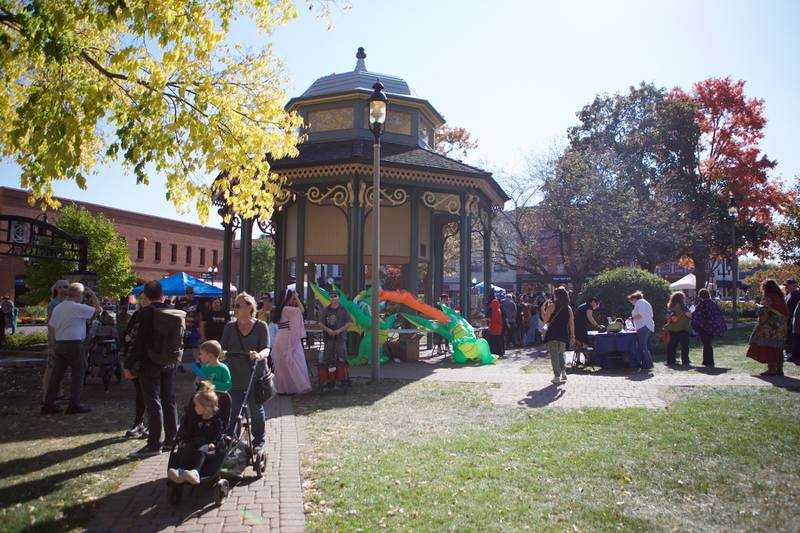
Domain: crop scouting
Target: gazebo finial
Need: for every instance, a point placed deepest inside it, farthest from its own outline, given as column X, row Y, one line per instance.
column 361, row 56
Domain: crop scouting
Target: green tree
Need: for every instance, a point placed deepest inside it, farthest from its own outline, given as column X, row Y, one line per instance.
column 614, row 286
column 108, row 256
column 154, row 84
column 787, row 232
column 263, row 265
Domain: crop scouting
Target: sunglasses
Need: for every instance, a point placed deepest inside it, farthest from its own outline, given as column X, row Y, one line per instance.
column 239, row 306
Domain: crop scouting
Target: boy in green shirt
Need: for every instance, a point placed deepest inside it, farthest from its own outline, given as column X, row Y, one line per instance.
column 213, row 369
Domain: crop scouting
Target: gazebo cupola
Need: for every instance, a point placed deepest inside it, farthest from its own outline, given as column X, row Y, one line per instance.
column 335, row 108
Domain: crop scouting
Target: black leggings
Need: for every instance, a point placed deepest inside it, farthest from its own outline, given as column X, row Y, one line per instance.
column 675, row 338
column 708, row 348
column 139, row 416
column 191, row 458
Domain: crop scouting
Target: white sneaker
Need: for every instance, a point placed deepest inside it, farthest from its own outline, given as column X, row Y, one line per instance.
column 555, row 381
column 563, row 375
column 175, row 475
column 191, row 476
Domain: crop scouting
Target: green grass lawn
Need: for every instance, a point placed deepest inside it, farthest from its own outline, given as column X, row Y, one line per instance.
column 54, row 469
column 430, row 456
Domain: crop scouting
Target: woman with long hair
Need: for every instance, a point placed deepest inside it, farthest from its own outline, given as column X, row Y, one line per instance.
column 291, row 372
column 769, row 334
column 679, row 327
column 560, row 334
column 708, row 322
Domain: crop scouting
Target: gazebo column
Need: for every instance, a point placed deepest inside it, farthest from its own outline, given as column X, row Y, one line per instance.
column 412, row 272
column 227, row 252
column 311, row 274
column 437, row 256
column 487, row 253
column 279, row 225
column 245, row 255
column 299, row 267
column 465, row 271
column 355, row 245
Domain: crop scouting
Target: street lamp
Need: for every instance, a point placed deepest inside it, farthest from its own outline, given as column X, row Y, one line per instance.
column 213, row 271
column 733, row 212
column 377, row 116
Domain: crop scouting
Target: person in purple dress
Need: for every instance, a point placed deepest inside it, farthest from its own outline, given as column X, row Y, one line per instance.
column 708, row 322
column 291, row 372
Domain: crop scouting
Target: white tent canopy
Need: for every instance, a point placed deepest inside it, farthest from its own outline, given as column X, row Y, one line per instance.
column 686, row 283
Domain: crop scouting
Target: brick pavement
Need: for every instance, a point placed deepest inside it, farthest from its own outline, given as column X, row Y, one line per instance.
column 273, row 503
column 605, row 388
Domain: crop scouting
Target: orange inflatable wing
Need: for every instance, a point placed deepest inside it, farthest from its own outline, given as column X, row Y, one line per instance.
column 408, row 299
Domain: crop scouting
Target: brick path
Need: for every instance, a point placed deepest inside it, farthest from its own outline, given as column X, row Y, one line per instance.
column 611, row 388
column 273, row 503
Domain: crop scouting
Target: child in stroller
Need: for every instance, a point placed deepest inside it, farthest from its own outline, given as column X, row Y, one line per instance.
column 201, row 436
column 187, row 453
column 103, row 350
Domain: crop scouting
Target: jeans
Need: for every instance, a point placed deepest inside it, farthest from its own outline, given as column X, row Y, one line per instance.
column 556, row 350
column 191, row 458
column 258, row 415
column 675, row 338
column 158, row 392
column 645, row 355
column 67, row 353
column 139, row 416
column 708, row 348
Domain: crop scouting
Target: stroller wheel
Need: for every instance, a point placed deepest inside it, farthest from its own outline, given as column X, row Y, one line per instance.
column 221, row 489
column 259, row 463
column 175, row 493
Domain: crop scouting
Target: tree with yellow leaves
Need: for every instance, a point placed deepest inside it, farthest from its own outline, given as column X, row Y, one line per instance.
column 151, row 83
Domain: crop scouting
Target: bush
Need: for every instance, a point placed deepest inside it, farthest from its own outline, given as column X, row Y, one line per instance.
column 36, row 312
column 614, row 286
column 744, row 309
column 23, row 341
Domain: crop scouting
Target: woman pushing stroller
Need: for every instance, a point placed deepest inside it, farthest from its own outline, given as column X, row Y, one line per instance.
column 201, row 434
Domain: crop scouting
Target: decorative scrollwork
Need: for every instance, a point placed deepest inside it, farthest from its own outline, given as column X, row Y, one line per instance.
column 339, row 195
column 392, row 198
column 473, row 204
column 442, row 202
column 284, row 197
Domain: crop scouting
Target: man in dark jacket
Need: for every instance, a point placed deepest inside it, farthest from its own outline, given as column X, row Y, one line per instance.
column 155, row 380
column 792, row 300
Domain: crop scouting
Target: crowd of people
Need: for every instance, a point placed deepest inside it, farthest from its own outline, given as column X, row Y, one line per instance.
column 562, row 328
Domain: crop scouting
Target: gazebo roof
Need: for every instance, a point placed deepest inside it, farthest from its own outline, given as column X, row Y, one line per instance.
column 358, row 79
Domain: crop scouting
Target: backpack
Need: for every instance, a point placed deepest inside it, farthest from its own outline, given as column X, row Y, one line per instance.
column 169, row 325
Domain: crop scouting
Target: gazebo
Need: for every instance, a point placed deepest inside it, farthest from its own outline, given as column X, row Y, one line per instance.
column 324, row 217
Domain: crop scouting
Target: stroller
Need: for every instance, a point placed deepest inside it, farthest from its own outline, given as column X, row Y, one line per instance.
column 240, row 437
column 104, row 351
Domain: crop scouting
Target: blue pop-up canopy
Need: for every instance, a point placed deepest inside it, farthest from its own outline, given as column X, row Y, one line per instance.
column 499, row 291
column 176, row 284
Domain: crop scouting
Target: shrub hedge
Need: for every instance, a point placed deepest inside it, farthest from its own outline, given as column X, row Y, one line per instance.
column 614, row 286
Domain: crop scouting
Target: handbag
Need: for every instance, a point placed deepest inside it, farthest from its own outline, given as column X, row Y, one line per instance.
column 263, row 383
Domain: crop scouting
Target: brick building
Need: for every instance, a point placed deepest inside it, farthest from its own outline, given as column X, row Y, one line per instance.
column 158, row 246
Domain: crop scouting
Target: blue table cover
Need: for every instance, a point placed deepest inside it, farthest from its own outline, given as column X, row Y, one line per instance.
column 607, row 344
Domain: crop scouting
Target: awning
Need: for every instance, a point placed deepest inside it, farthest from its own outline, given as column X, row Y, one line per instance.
column 686, row 283
column 176, row 285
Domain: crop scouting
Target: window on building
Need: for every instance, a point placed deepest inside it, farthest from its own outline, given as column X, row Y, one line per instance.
column 202, row 256
column 188, row 255
column 173, row 256
column 500, row 268
column 139, row 249
column 214, row 258
column 158, row 251
column 476, row 266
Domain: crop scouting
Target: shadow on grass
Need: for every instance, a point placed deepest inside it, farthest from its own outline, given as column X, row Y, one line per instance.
column 28, row 465
column 542, row 397
column 31, row 490
column 361, row 392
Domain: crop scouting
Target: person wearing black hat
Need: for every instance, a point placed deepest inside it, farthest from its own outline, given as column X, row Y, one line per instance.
column 584, row 317
column 792, row 339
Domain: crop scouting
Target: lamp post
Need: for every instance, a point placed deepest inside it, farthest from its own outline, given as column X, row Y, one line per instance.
column 377, row 116
column 733, row 211
column 213, row 271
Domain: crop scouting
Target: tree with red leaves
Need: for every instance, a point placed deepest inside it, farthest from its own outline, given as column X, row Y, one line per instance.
column 728, row 162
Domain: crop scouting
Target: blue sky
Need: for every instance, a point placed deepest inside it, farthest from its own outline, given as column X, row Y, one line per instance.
column 514, row 73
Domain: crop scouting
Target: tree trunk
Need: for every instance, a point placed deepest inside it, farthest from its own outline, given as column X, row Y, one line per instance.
column 700, row 258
